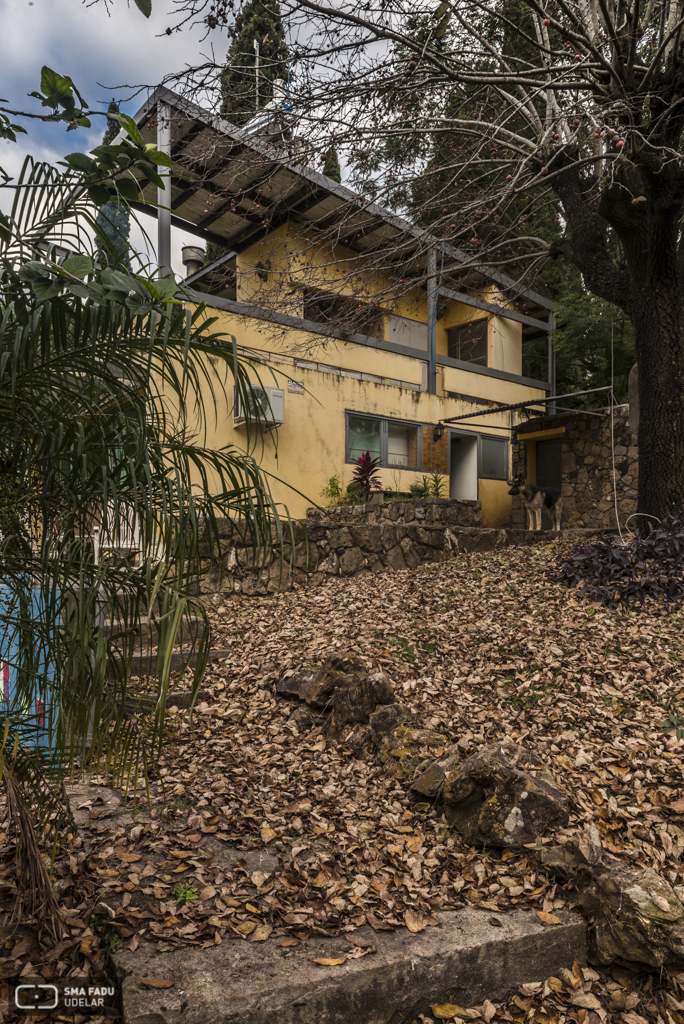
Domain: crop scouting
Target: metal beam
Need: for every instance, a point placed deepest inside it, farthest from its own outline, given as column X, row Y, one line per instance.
column 489, row 307
column 432, row 320
column 184, row 225
column 524, row 405
column 164, row 194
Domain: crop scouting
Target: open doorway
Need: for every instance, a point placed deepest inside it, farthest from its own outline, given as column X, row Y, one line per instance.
column 463, row 475
column 549, row 456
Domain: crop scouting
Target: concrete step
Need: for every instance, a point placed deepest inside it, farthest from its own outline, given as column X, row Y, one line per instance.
column 464, row 961
column 144, row 663
column 148, row 632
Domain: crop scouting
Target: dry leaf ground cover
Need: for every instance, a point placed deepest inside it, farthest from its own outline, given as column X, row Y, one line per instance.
column 482, row 648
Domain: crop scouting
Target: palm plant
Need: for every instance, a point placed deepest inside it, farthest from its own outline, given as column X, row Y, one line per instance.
column 110, row 501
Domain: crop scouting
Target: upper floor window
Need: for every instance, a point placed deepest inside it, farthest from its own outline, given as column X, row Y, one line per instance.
column 341, row 312
column 468, row 342
column 410, row 333
column 396, row 444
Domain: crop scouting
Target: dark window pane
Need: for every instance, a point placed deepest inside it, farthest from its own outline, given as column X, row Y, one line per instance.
column 363, row 435
column 493, row 461
column 468, row 342
column 344, row 314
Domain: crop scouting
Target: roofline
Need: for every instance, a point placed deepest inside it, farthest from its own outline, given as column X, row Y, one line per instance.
column 161, row 93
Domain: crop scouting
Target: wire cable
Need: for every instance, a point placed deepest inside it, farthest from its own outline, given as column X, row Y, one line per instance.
column 612, row 426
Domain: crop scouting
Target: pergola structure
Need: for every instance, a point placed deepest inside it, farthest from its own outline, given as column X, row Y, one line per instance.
column 233, row 187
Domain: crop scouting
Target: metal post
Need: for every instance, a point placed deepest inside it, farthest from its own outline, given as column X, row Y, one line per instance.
column 256, row 72
column 552, row 362
column 432, row 320
column 164, row 194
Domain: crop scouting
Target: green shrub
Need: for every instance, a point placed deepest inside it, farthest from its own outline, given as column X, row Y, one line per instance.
column 333, row 490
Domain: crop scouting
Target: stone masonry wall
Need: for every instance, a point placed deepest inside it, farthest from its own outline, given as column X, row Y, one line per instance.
column 345, row 541
column 450, row 511
column 325, row 548
column 587, row 468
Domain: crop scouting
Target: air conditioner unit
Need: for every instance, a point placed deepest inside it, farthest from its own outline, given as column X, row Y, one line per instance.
column 266, row 407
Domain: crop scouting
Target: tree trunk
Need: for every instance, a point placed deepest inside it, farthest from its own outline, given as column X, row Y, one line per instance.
column 658, row 319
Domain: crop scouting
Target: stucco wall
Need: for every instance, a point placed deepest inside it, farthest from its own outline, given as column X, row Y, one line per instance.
column 309, row 448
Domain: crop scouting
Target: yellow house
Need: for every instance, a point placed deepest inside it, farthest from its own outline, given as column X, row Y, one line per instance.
column 374, row 335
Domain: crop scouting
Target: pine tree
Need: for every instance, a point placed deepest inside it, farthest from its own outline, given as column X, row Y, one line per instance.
column 331, row 168
column 113, row 219
column 259, row 20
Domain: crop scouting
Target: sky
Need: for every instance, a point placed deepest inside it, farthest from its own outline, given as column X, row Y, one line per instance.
column 101, row 51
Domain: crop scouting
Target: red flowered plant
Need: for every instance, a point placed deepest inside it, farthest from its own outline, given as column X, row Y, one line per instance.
column 366, row 474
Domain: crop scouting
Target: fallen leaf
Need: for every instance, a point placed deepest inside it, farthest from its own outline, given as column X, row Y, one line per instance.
column 288, row 942
column 495, row 922
column 356, row 953
column 488, row 1010
column 268, row 834
column 261, row 933
column 358, row 940
column 331, row 962
column 156, row 982
column 660, row 902
column 586, row 1000
column 415, row 922
column 445, row 1011
column 548, row 918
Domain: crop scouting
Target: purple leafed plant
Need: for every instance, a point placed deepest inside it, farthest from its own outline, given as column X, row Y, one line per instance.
column 366, row 474
column 649, row 565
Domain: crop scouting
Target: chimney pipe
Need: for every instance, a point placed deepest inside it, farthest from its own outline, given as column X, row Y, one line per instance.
column 193, row 259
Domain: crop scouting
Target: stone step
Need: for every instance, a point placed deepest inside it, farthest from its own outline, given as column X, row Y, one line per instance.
column 465, row 960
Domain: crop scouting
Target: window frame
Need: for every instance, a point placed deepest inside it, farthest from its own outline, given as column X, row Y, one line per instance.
column 468, row 323
column 408, row 320
column 506, row 443
column 371, row 320
column 384, row 422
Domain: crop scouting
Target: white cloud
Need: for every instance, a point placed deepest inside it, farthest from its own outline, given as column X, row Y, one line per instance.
column 98, row 49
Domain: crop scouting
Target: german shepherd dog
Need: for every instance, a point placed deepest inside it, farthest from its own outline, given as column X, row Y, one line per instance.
column 537, row 498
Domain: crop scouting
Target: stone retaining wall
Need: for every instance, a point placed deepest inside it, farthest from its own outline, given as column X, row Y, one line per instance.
column 330, row 549
column 587, row 468
column 449, row 511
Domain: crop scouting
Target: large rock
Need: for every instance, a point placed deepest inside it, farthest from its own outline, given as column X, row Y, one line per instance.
column 502, row 796
column 638, row 920
column 430, row 783
column 355, row 698
column 344, row 687
column 405, row 747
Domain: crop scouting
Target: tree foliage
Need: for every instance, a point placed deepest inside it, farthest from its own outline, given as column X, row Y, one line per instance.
column 257, row 21
column 114, row 219
column 111, row 502
column 331, row 167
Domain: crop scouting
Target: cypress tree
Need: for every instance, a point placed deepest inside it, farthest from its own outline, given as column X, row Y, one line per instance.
column 113, row 219
column 258, row 20
column 331, row 168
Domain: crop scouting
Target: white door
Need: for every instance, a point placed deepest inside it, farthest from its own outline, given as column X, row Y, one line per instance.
column 463, row 476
